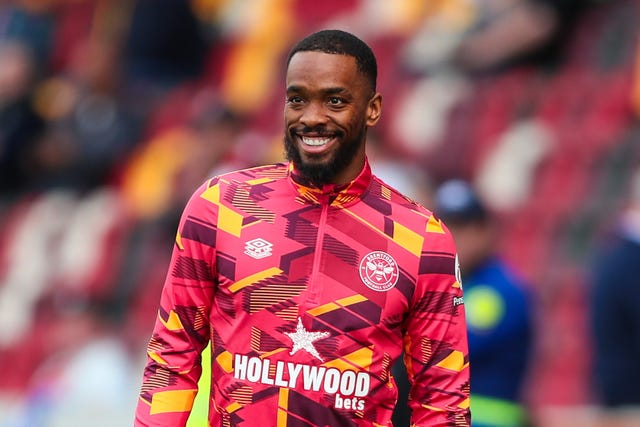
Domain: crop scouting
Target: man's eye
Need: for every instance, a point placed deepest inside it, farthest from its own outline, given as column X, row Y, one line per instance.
column 294, row 100
column 335, row 101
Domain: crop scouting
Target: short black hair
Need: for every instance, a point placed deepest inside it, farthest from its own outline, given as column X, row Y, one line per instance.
column 341, row 43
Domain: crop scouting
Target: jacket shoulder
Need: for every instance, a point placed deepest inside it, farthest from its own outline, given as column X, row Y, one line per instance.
column 249, row 175
column 214, row 189
column 379, row 188
column 412, row 215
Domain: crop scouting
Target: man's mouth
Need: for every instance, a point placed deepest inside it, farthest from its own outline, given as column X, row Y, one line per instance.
column 315, row 141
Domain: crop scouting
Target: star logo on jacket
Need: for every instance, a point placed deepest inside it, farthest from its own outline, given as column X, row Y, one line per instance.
column 303, row 340
column 258, row 248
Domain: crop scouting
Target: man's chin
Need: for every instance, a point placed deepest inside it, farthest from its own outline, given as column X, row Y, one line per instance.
column 318, row 169
column 318, row 173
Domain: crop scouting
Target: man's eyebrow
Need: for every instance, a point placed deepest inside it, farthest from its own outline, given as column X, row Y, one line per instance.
column 335, row 90
column 327, row 91
column 294, row 88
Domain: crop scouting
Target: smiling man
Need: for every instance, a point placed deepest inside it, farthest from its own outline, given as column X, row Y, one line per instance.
column 331, row 100
column 310, row 278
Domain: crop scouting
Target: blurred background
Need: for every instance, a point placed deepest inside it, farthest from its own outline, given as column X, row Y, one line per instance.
column 113, row 111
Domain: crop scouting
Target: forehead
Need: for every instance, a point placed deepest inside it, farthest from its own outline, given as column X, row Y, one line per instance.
column 319, row 69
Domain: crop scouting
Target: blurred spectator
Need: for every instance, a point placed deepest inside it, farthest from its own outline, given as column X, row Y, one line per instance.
column 19, row 123
column 509, row 32
column 615, row 317
column 91, row 127
column 165, row 46
column 64, row 126
column 165, row 43
column 480, row 36
column 498, row 307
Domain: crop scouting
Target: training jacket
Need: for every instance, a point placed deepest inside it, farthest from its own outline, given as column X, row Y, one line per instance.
column 308, row 296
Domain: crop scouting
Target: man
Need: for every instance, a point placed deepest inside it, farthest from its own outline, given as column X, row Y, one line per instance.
column 498, row 309
column 614, row 318
column 309, row 277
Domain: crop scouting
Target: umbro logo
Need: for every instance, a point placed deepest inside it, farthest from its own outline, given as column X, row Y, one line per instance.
column 258, row 248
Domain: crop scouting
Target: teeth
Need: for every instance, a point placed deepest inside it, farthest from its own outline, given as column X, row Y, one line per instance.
column 315, row 141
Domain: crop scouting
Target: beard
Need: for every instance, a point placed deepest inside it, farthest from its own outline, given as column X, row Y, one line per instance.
column 321, row 173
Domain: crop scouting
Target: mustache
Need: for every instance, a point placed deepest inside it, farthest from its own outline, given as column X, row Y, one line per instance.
column 316, row 130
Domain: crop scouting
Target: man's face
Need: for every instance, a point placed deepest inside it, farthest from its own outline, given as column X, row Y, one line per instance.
column 329, row 105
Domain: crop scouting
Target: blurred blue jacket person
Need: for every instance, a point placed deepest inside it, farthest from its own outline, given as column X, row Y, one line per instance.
column 615, row 316
column 498, row 308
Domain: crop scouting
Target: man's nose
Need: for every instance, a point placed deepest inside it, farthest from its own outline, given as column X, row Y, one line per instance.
column 313, row 114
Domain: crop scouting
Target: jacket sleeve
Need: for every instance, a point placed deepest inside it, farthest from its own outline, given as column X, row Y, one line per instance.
column 435, row 343
column 181, row 329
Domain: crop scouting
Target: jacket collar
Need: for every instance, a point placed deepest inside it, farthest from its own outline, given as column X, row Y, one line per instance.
column 333, row 194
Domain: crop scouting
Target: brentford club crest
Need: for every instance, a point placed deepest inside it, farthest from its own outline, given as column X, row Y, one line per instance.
column 379, row 271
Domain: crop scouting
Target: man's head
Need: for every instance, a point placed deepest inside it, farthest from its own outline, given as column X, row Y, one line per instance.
column 339, row 42
column 330, row 103
column 460, row 207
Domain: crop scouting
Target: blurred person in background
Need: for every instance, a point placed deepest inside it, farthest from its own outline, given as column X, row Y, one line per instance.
column 310, row 273
column 20, row 125
column 498, row 307
column 165, row 46
column 491, row 36
column 512, row 32
column 615, row 317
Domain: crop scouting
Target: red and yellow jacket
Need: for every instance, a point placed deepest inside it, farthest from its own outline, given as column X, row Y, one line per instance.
column 308, row 296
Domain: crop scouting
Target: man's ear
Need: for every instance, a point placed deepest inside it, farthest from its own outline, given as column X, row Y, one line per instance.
column 374, row 109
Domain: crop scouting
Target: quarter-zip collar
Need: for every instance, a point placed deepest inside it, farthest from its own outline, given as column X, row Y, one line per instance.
column 332, row 194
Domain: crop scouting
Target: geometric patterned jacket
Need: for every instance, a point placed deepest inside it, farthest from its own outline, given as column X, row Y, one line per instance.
column 308, row 296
